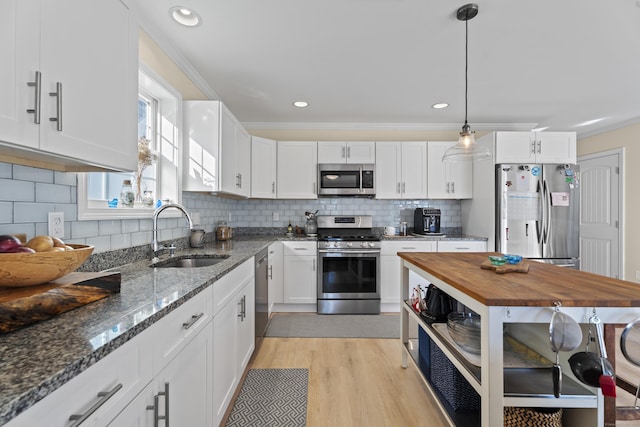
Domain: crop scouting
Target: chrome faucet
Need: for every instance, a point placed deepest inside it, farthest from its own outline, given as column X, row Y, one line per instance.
column 156, row 247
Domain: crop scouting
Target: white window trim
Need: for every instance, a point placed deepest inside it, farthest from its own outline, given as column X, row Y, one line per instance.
column 87, row 213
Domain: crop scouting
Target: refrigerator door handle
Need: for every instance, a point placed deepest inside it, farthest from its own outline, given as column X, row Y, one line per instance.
column 540, row 223
column 547, row 212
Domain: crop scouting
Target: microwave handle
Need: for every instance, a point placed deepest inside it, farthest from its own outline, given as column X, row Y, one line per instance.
column 361, row 190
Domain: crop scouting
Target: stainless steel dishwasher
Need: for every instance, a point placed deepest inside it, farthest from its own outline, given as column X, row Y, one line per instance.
column 262, row 295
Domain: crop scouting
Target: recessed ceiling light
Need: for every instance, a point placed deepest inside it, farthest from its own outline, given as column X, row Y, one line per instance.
column 440, row 105
column 301, row 104
column 185, row 16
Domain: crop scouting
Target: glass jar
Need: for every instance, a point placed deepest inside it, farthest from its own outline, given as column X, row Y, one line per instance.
column 147, row 198
column 403, row 228
column 223, row 231
column 127, row 196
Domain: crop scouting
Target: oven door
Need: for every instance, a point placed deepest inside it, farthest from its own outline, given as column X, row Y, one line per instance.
column 348, row 274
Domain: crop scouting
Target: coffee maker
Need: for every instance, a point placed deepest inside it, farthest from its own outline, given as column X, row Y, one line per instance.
column 426, row 221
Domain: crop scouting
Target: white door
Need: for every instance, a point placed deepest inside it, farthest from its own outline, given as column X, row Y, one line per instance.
column 600, row 228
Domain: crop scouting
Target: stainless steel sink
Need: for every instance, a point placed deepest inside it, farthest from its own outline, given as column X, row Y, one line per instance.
column 190, row 261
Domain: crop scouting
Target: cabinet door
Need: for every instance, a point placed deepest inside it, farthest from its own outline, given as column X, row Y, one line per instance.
column 229, row 179
column 225, row 357
column 247, row 326
column 556, row 147
column 414, row 170
column 263, row 168
column 297, row 170
column 438, row 184
column 361, row 152
column 243, row 161
column 391, row 265
column 388, row 166
column 201, row 146
column 189, row 378
column 332, row 152
column 19, row 50
column 515, row 147
column 460, row 175
column 300, row 280
column 95, row 59
column 276, row 274
column 300, row 276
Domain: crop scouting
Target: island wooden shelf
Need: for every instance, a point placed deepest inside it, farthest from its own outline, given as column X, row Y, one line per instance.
column 523, row 302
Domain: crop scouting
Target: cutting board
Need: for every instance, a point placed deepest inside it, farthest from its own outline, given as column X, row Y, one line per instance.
column 23, row 306
column 522, row 267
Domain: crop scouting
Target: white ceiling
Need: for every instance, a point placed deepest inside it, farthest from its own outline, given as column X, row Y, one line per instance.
column 377, row 63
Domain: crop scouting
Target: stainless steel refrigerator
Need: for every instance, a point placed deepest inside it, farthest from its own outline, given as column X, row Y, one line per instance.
column 537, row 212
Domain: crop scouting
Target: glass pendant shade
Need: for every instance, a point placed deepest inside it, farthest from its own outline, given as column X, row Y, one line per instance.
column 466, row 149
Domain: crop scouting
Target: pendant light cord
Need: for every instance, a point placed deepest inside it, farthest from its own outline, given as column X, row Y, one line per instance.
column 466, row 69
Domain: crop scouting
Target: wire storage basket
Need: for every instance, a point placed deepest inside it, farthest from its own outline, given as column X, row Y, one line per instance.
column 532, row 417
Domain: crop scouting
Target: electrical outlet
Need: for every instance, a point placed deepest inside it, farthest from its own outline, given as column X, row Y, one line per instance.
column 56, row 224
column 276, row 216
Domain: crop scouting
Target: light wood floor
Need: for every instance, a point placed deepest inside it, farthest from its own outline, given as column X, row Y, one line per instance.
column 354, row 382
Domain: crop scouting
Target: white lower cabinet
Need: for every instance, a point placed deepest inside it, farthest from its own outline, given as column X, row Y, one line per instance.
column 233, row 334
column 276, row 274
column 181, row 393
column 300, row 272
column 391, row 266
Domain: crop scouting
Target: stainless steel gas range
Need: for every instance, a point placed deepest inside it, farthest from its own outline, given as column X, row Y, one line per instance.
column 349, row 265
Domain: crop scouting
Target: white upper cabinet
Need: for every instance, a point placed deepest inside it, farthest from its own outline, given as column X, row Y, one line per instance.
column 69, row 88
column 263, row 168
column 217, row 150
column 297, row 170
column 235, row 155
column 401, row 169
column 535, row 147
column 346, row 152
column 447, row 180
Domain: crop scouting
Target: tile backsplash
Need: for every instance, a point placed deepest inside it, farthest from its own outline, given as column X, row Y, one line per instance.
column 28, row 194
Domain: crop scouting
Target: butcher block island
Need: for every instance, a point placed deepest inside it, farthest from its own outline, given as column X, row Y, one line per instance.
column 518, row 306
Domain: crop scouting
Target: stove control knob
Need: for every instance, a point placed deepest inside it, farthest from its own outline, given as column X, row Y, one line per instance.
column 335, row 244
column 349, row 244
column 371, row 244
column 363, row 244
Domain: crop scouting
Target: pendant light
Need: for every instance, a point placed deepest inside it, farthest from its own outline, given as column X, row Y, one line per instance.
column 466, row 149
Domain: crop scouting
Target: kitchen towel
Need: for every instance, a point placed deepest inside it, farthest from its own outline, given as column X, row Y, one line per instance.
column 271, row 397
column 334, row 326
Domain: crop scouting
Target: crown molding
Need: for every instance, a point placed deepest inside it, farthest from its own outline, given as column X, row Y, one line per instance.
column 609, row 128
column 176, row 56
column 387, row 126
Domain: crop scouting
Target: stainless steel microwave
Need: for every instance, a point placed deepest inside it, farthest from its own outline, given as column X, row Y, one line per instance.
column 338, row 179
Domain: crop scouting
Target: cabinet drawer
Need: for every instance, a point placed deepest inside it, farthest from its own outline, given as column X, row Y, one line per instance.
column 225, row 288
column 122, row 374
column 392, row 248
column 175, row 330
column 462, row 246
column 300, row 248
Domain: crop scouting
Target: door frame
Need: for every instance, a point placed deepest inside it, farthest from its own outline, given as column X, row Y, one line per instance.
column 621, row 213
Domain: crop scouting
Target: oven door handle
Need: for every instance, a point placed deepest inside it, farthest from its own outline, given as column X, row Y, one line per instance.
column 343, row 251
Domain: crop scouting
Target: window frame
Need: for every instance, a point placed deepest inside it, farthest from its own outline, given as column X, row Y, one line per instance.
column 149, row 84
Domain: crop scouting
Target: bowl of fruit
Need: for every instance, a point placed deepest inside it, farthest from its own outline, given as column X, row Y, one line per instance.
column 38, row 261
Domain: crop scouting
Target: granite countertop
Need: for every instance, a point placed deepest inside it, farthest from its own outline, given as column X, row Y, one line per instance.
column 38, row 359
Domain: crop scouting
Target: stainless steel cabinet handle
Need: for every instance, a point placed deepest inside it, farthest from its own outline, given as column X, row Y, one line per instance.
column 58, row 117
column 314, row 264
column 343, row 155
column 164, row 417
column 404, row 187
column 273, row 188
column 193, row 320
column 539, row 147
column 104, row 396
column 244, row 307
column 240, row 310
column 398, row 188
column 271, row 272
column 533, row 147
column 38, row 90
column 448, row 187
column 453, row 187
column 348, row 152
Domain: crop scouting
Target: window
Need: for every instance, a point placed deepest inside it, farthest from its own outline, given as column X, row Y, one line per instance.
column 157, row 177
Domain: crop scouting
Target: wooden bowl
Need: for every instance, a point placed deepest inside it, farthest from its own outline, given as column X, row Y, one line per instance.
column 29, row 269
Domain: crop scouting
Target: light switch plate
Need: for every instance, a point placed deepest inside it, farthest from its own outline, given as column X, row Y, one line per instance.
column 56, row 224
